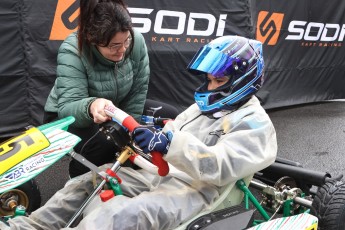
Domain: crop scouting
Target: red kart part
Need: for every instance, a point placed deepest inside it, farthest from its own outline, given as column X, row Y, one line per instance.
column 130, row 123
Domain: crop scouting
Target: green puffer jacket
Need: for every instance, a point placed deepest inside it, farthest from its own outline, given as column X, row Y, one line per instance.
column 80, row 80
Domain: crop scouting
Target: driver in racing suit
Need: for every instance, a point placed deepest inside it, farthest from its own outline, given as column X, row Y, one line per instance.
column 225, row 136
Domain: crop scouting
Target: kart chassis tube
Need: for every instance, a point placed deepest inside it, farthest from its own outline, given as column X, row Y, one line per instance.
column 125, row 154
column 297, row 200
column 309, row 176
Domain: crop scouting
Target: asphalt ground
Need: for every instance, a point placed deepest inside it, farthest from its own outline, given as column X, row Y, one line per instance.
column 311, row 134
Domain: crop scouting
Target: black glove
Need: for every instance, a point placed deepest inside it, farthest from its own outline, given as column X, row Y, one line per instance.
column 150, row 139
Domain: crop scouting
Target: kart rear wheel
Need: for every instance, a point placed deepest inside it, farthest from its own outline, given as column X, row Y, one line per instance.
column 329, row 206
column 27, row 195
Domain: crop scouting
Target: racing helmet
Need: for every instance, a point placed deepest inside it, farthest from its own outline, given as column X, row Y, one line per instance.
column 238, row 58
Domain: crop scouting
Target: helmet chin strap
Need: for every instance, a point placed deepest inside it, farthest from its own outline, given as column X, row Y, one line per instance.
column 222, row 113
column 218, row 114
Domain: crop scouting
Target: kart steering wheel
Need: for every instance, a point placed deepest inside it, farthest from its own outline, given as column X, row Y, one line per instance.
column 122, row 138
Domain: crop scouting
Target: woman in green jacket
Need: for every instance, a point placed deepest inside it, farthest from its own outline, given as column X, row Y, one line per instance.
column 104, row 63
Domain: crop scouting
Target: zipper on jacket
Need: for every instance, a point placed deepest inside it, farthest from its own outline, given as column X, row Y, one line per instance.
column 187, row 122
column 116, row 69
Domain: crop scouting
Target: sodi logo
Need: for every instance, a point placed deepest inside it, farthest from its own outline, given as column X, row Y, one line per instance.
column 178, row 26
column 312, row 34
column 268, row 27
column 308, row 34
column 65, row 19
column 163, row 25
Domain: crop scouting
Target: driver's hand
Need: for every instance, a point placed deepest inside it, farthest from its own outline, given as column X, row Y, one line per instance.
column 97, row 110
column 150, row 139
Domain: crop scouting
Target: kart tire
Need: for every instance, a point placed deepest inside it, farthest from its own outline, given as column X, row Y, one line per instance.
column 27, row 194
column 329, row 206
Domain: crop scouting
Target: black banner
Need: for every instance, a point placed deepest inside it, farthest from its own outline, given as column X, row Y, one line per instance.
column 174, row 31
column 303, row 49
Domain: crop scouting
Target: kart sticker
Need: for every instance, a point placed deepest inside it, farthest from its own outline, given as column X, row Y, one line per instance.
column 28, row 167
column 61, row 143
column 21, row 147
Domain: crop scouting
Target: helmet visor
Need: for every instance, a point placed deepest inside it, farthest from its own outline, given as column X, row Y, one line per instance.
column 212, row 61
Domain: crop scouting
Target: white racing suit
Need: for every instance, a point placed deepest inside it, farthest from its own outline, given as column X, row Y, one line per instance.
column 205, row 155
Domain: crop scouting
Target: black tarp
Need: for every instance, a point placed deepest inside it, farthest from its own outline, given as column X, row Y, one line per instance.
column 303, row 49
column 173, row 39
column 306, row 64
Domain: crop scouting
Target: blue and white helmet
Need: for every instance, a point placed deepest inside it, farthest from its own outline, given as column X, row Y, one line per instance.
column 235, row 57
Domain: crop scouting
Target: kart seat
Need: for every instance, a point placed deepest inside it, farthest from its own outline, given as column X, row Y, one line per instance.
column 230, row 196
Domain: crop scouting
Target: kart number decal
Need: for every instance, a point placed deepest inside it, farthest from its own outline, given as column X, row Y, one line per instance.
column 21, row 147
column 312, row 227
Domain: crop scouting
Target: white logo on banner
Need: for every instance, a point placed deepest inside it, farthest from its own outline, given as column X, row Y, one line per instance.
column 315, row 31
column 183, row 19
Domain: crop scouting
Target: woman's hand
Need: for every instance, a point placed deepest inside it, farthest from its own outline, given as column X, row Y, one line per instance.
column 97, row 110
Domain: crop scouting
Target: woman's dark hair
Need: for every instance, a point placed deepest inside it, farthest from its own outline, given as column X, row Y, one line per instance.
column 100, row 20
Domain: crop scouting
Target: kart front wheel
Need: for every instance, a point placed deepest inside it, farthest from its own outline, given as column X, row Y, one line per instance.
column 27, row 195
column 329, row 206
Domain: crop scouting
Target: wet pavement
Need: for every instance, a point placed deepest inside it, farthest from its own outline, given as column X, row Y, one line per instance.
column 313, row 135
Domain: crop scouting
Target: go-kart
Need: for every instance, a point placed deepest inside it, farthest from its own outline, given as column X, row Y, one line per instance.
column 25, row 156
column 284, row 194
